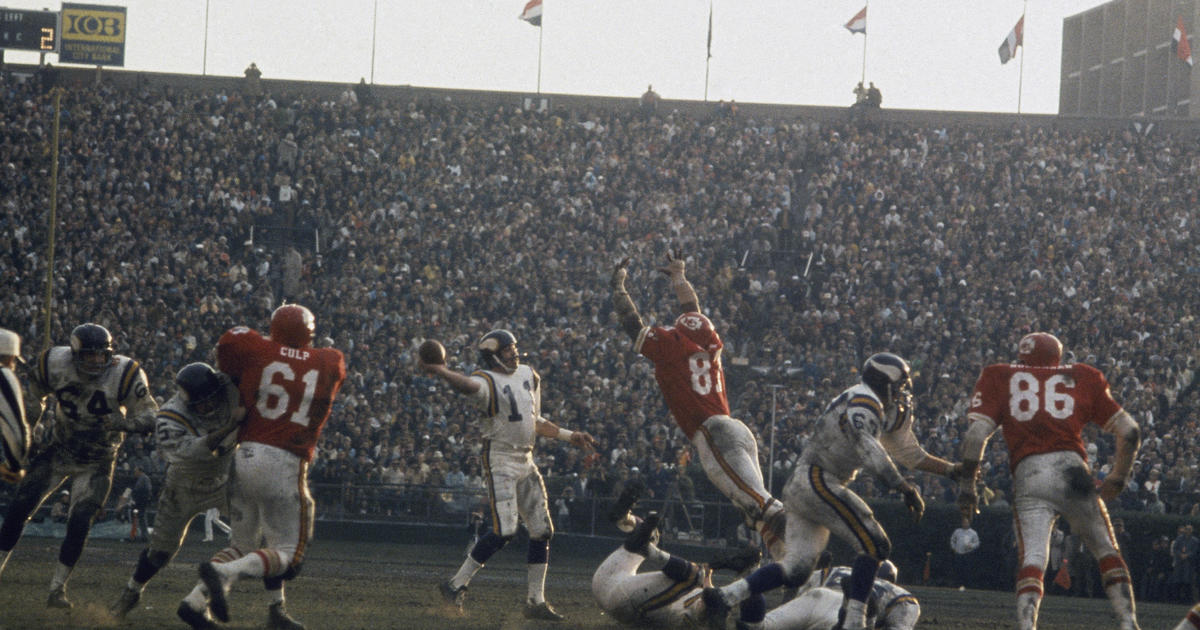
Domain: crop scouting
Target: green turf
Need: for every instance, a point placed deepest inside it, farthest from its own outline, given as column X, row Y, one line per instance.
column 392, row 586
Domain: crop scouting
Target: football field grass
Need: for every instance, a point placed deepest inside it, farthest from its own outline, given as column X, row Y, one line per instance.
column 352, row 585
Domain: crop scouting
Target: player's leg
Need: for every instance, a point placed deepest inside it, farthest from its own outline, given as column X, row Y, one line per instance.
column 1191, row 621
column 1088, row 517
column 535, row 512
column 848, row 517
column 728, row 453
column 1036, row 491
column 89, row 490
column 277, row 486
column 807, row 535
column 176, row 509
column 502, row 500
column 39, row 481
column 250, row 468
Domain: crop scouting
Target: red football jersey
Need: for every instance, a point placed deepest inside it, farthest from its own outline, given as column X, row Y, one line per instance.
column 1043, row 409
column 287, row 392
column 690, row 377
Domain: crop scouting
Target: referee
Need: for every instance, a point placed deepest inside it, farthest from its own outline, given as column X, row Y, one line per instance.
column 13, row 427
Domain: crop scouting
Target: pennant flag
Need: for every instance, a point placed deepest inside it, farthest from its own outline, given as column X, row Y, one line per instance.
column 858, row 23
column 1008, row 48
column 710, row 30
column 1182, row 48
column 533, row 12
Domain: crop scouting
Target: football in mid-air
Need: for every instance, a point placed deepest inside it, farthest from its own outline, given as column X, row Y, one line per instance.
column 432, row 351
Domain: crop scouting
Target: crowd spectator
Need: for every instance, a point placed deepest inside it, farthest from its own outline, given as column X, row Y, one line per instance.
column 434, row 218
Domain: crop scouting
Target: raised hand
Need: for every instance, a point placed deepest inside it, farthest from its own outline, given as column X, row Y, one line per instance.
column 619, row 273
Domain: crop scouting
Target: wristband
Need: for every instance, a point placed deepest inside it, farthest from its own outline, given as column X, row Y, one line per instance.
column 564, row 434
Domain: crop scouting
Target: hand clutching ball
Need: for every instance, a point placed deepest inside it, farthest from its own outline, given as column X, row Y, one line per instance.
column 432, row 352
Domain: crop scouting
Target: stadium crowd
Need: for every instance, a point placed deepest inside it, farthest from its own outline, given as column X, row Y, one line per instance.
column 182, row 213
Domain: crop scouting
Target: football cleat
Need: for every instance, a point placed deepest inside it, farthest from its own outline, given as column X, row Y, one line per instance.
column 737, row 561
column 453, row 596
column 541, row 611
column 218, row 603
column 715, row 608
column 198, row 620
column 644, row 535
column 125, row 603
column 278, row 619
column 634, row 489
column 58, row 598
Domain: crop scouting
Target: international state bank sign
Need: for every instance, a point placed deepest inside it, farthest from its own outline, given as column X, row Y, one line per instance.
column 93, row 35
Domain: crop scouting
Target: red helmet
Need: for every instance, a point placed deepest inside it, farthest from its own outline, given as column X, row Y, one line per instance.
column 1039, row 349
column 293, row 325
column 699, row 329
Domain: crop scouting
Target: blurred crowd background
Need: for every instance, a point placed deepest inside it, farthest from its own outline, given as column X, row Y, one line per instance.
column 811, row 244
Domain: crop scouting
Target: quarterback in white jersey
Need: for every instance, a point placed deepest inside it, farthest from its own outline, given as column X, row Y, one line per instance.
column 510, row 396
column 196, row 432
column 866, row 426
column 100, row 396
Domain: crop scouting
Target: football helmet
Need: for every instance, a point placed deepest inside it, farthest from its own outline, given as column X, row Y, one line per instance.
column 890, row 378
column 200, row 389
column 490, row 346
column 293, row 325
column 91, row 349
column 887, row 571
column 699, row 329
column 1039, row 349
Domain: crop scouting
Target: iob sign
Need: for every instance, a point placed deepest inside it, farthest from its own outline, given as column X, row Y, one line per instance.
column 93, row 34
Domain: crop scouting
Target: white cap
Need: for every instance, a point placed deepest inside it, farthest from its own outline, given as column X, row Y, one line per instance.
column 10, row 343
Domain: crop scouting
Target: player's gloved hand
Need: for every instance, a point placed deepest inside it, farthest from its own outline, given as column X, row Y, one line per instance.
column 1111, row 487
column 675, row 264
column 912, row 500
column 620, row 272
column 7, row 475
column 584, row 440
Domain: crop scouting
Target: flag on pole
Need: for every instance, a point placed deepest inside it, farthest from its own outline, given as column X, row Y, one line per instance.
column 710, row 30
column 1008, row 48
column 1182, row 48
column 858, row 23
column 533, row 12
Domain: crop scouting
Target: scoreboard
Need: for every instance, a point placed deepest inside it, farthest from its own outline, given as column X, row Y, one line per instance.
column 29, row 30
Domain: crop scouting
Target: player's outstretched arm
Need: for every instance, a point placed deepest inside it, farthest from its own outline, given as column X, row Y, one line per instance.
column 1129, row 440
column 578, row 439
column 461, row 383
column 685, row 293
column 627, row 313
column 974, row 442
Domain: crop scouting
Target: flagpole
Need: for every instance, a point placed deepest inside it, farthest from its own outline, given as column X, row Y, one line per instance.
column 863, row 79
column 1021, row 72
column 540, row 29
column 708, row 58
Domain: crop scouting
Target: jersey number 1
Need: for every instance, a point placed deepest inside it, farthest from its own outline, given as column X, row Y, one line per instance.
column 273, row 398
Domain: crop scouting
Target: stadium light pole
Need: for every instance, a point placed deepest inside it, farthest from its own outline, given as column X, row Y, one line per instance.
column 374, row 29
column 204, row 64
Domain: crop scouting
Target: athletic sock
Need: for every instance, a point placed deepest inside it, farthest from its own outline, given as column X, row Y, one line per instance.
column 61, row 573
column 467, row 571
column 537, row 582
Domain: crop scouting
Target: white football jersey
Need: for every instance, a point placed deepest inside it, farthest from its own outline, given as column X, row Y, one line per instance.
column 848, row 436
column 93, row 413
column 887, row 595
column 512, row 403
column 181, row 441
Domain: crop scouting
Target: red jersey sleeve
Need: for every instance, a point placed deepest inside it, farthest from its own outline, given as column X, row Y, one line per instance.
column 236, row 349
